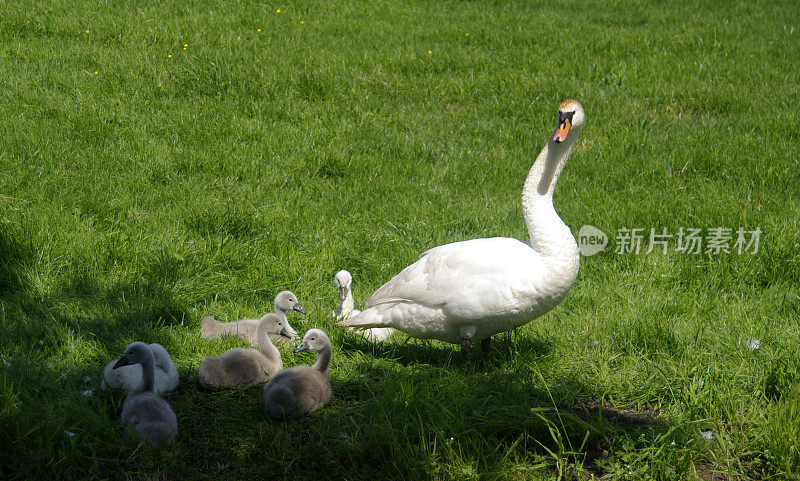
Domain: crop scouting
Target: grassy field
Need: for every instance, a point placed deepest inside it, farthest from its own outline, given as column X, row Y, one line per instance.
column 162, row 161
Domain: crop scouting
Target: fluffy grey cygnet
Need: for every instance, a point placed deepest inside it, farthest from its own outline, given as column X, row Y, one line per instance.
column 149, row 416
column 301, row 389
column 246, row 328
column 240, row 368
column 129, row 377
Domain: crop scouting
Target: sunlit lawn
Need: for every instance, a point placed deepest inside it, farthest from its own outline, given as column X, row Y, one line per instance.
column 163, row 161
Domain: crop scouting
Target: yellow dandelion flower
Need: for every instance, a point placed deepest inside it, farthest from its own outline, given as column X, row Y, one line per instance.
column 87, row 31
column 185, row 48
column 169, row 56
column 159, row 85
column 96, row 72
column 278, row 11
column 185, row 45
column 430, row 53
column 258, row 30
column 466, row 34
column 302, row 22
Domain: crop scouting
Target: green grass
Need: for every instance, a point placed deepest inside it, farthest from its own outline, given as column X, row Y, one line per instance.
column 140, row 192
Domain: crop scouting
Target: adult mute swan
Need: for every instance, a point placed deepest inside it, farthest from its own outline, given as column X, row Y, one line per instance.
column 465, row 292
column 343, row 281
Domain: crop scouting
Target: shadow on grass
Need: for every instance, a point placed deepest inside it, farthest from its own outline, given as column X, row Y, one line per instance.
column 474, row 415
column 445, row 419
column 51, row 408
column 59, row 424
column 407, row 351
column 15, row 260
column 403, row 351
column 80, row 304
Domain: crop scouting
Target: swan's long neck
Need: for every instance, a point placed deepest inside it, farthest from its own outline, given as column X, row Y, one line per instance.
column 280, row 312
column 324, row 359
column 265, row 344
column 148, row 373
column 346, row 305
column 550, row 237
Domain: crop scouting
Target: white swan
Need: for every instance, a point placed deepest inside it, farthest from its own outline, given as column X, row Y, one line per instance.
column 301, row 389
column 129, row 377
column 239, row 368
column 143, row 410
column 343, row 281
column 467, row 291
column 246, row 328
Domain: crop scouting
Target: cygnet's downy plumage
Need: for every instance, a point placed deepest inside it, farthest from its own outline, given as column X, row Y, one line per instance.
column 129, row 377
column 240, row 368
column 301, row 389
column 246, row 328
column 343, row 281
column 149, row 416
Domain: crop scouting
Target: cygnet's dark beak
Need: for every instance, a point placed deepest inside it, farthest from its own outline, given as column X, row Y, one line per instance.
column 302, row 347
column 342, row 293
column 123, row 361
column 297, row 307
column 284, row 333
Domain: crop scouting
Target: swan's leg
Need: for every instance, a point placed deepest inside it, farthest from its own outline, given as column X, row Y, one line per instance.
column 485, row 345
column 466, row 349
column 467, row 333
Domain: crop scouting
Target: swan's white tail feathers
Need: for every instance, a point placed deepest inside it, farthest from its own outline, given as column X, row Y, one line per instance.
column 364, row 320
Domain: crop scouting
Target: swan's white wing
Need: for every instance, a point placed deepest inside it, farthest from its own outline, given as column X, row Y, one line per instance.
column 466, row 280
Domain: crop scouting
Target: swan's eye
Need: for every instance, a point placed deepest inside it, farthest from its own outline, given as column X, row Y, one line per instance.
column 562, row 116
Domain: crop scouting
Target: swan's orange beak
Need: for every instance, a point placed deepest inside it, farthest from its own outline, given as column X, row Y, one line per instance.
column 562, row 130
